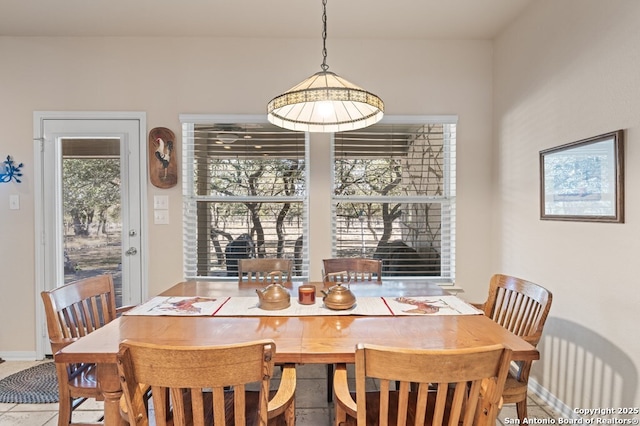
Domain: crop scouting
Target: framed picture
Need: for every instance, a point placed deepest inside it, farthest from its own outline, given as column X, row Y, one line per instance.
column 584, row 180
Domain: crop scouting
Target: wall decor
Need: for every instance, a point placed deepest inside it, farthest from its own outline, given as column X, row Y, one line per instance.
column 163, row 164
column 10, row 171
column 584, row 180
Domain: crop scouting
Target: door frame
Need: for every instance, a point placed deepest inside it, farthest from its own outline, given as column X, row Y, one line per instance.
column 38, row 138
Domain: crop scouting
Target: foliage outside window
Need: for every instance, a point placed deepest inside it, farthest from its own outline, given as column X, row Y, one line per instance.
column 394, row 198
column 91, row 208
column 91, row 193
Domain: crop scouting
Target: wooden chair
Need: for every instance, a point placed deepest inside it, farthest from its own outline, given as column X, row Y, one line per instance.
column 352, row 269
column 73, row 311
column 435, row 387
column 521, row 307
column 264, row 271
column 196, row 382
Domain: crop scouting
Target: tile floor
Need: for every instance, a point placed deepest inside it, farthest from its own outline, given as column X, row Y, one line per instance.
column 311, row 402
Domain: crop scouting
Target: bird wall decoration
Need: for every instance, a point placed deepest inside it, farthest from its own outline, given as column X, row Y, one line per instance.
column 163, row 168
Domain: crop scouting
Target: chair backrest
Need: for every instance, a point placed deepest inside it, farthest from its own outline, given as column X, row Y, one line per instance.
column 354, row 269
column 78, row 308
column 518, row 305
column 192, row 381
column 264, row 271
column 475, row 376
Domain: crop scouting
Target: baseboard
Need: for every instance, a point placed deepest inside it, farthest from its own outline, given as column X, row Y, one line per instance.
column 551, row 400
column 18, row 356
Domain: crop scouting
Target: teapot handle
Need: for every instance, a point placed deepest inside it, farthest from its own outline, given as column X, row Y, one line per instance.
column 272, row 276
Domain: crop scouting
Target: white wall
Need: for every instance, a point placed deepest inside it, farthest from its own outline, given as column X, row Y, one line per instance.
column 172, row 76
column 565, row 71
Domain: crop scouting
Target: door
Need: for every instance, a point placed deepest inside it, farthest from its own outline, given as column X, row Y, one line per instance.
column 92, row 170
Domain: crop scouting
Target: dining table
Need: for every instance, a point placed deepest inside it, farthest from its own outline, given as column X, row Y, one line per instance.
column 303, row 339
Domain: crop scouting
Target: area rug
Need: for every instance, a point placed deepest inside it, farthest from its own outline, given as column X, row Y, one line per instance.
column 35, row 385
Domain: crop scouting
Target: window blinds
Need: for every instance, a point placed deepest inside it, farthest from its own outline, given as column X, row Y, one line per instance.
column 394, row 197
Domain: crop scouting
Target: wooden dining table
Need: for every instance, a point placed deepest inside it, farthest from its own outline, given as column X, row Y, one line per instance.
column 299, row 339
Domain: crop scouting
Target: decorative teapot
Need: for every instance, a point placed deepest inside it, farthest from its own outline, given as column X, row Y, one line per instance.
column 338, row 297
column 273, row 297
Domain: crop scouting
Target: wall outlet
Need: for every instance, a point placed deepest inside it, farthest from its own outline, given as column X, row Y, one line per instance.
column 14, row 202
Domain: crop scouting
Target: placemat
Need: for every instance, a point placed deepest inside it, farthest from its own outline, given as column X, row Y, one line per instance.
column 430, row 305
column 179, row 306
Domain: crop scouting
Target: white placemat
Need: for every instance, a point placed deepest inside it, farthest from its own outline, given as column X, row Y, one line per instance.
column 430, row 305
column 179, row 306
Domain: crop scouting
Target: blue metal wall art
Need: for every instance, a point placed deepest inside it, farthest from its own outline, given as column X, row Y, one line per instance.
column 10, row 172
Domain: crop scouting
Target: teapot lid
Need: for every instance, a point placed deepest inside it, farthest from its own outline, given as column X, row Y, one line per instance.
column 339, row 287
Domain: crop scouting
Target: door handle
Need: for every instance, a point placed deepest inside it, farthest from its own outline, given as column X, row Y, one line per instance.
column 131, row 251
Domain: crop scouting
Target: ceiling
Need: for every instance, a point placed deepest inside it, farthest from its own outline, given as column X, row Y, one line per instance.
column 366, row 19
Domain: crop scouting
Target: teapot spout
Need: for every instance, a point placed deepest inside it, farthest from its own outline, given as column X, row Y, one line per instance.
column 260, row 295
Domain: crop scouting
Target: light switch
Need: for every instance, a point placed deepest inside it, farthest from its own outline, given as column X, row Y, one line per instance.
column 161, row 202
column 161, row 217
column 14, row 202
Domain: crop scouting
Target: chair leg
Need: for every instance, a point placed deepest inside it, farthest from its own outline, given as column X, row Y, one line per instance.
column 329, row 382
column 521, row 409
column 340, row 415
column 290, row 414
column 64, row 411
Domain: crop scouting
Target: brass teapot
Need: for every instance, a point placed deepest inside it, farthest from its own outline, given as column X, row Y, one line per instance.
column 338, row 298
column 273, row 297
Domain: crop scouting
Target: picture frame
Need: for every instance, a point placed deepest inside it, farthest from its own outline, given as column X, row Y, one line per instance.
column 584, row 180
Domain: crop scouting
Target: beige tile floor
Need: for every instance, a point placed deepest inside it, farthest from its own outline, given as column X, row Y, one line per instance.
column 311, row 403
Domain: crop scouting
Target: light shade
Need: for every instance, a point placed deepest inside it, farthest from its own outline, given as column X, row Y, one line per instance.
column 325, row 102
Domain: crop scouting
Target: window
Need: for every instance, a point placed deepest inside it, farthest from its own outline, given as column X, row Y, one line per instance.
column 244, row 194
column 394, row 197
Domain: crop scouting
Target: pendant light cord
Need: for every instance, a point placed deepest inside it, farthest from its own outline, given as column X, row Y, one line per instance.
column 304, row 107
column 324, row 36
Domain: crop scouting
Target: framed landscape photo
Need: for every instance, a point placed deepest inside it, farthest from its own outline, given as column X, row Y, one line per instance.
column 584, row 180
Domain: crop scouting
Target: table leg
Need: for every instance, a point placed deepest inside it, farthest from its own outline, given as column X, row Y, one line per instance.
column 109, row 383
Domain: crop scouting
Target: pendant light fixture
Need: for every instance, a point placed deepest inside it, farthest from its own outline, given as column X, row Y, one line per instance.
column 325, row 102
